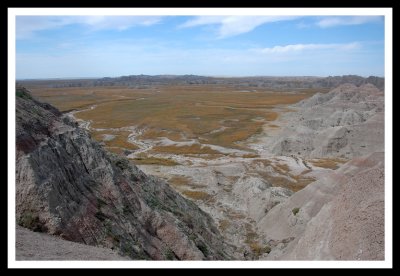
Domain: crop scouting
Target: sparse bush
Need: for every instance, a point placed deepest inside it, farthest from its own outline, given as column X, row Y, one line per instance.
column 203, row 248
column 123, row 164
column 258, row 250
column 100, row 216
column 267, row 249
column 295, row 210
column 224, row 224
column 126, row 210
column 21, row 93
column 153, row 202
column 169, row 254
column 31, row 221
column 101, row 203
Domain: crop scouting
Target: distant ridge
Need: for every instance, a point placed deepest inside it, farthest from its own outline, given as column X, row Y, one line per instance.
column 141, row 81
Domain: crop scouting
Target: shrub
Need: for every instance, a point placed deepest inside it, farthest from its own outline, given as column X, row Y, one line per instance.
column 122, row 164
column 224, row 224
column 295, row 210
column 203, row 248
column 259, row 250
column 31, row 221
column 169, row 254
column 267, row 249
column 100, row 216
column 21, row 93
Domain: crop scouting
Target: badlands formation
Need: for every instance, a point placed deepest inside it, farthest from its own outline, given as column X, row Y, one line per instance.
column 313, row 190
column 257, row 202
column 67, row 185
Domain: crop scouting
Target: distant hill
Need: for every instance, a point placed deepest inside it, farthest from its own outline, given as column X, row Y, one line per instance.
column 143, row 81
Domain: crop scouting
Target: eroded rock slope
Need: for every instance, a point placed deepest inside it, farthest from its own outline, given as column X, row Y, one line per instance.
column 67, row 185
column 341, row 215
column 346, row 122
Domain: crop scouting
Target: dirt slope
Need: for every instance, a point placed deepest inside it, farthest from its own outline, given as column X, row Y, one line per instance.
column 40, row 246
column 339, row 217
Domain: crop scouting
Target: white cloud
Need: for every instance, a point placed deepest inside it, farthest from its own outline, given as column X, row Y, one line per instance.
column 234, row 25
column 27, row 26
column 306, row 47
column 119, row 22
column 347, row 20
column 203, row 20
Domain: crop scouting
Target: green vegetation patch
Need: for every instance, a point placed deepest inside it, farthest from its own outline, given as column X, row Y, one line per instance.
column 154, row 161
column 259, row 250
column 31, row 221
column 22, row 93
column 197, row 195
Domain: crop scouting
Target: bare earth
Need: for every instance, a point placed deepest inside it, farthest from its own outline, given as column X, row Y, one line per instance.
column 39, row 246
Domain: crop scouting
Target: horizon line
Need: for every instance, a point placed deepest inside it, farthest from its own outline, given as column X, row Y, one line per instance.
column 209, row 76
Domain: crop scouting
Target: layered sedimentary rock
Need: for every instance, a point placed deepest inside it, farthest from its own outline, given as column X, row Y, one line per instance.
column 68, row 185
column 346, row 122
column 341, row 215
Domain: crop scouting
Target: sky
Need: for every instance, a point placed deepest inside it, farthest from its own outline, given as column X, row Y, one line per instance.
column 111, row 46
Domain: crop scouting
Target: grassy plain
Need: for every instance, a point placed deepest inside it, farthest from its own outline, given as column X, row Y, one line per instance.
column 218, row 115
column 154, row 161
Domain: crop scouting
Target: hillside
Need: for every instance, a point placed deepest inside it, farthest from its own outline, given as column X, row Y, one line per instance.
column 68, row 185
column 346, row 122
column 339, row 217
column 40, row 246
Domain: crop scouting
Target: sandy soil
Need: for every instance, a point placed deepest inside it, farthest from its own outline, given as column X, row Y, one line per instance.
column 39, row 246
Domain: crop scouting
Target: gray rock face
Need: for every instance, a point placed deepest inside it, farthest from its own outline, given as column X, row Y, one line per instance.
column 346, row 122
column 67, row 185
column 339, row 217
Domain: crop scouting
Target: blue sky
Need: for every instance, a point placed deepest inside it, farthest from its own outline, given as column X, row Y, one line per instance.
column 108, row 46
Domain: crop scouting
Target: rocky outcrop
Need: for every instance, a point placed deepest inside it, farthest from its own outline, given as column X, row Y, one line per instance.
column 347, row 122
column 68, row 185
column 257, row 196
column 339, row 217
